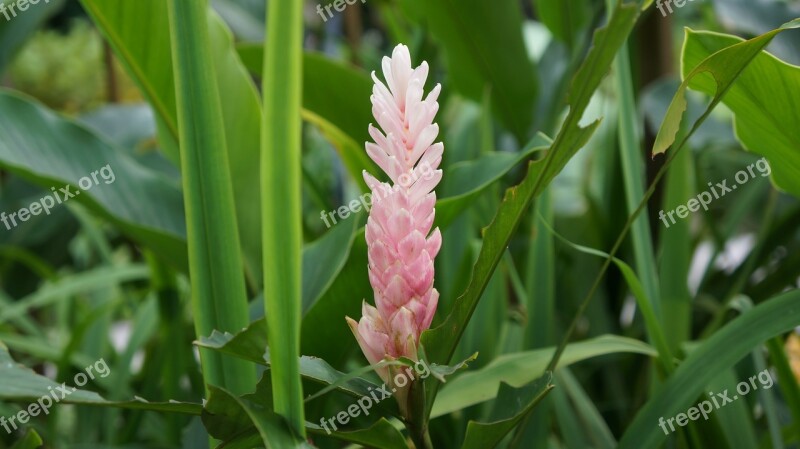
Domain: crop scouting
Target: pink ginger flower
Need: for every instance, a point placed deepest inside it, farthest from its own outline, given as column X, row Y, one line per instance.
column 400, row 243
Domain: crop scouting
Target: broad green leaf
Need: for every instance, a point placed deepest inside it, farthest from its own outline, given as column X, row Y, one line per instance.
column 720, row 70
column 762, row 100
column 139, row 34
column 472, row 33
column 441, row 341
column 512, row 405
column 21, row 384
column 716, row 354
column 131, row 127
column 520, row 368
column 323, row 260
column 327, row 264
column 51, row 151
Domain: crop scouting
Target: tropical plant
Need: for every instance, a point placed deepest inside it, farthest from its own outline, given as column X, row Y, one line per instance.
column 399, row 224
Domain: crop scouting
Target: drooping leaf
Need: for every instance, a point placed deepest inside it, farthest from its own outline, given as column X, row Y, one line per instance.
column 715, row 355
column 518, row 369
column 249, row 344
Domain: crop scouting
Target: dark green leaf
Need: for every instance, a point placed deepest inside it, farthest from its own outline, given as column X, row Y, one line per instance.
column 512, row 405
column 472, row 32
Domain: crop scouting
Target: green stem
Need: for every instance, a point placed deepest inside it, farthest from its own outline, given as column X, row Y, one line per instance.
column 219, row 300
column 416, row 417
column 281, row 200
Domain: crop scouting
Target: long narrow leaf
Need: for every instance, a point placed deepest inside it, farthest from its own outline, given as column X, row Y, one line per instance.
column 215, row 259
column 281, row 183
